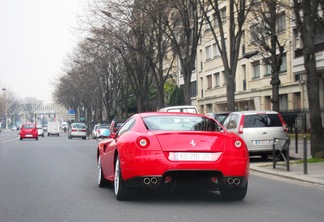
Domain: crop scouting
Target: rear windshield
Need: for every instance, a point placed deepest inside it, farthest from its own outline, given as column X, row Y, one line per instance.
column 81, row 126
column 28, row 126
column 181, row 123
column 262, row 120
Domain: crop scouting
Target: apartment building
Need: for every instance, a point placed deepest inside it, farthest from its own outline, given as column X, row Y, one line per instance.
column 253, row 89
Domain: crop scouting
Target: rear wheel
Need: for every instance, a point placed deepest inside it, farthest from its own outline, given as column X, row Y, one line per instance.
column 121, row 191
column 234, row 193
column 101, row 180
column 36, row 138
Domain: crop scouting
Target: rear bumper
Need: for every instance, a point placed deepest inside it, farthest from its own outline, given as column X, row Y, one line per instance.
column 139, row 171
column 201, row 180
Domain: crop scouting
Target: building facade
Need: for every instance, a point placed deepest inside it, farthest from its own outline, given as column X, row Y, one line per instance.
column 253, row 89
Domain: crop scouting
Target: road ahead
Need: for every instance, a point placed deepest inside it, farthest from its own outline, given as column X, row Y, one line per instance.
column 54, row 179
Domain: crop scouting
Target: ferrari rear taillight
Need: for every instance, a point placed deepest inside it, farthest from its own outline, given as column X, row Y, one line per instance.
column 238, row 144
column 240, row 129
column 283, row 123
column 142, row 142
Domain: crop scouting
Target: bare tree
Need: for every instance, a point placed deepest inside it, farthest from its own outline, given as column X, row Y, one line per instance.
column 184, row 25
column 133, row 40
column 237, row 14
column 156, row 10
column 309, row 20
column 268, row 21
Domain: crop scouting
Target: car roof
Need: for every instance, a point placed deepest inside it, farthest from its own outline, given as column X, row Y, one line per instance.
column 255, row 112
column 168, row 114
column 78, row 123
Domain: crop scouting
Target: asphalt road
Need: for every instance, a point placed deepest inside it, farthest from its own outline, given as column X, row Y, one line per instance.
column 54, row 179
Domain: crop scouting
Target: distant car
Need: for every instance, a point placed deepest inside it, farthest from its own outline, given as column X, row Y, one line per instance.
column 94, row 131
column 78, row 130
column 258, row 129
column 219, row 116
column 64, row 125
column 40, row 130
column 170, row 151
column 99, row 128
column 13, row 128
column 184, row 108
column 0, row 127
column 53, row 128
column 115, row 125
column 45, row 127
column 28, row 131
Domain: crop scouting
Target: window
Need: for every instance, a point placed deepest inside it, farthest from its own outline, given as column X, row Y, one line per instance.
column 209, row 82
column 224, row 77
column 254, row 32
column 223, row 14
column 126, row 127
column 193, row 89
column 214, row 22
column 283, row 102
column 256, row 70
column 283, row 67
column 267, row 67
column 297, row 40
column 208, row 53
column 201, row 59
column 281, row 24
column 217, row 79
column 216, row 50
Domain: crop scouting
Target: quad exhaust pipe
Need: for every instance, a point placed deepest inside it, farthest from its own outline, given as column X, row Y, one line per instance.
column 150, row 180
column 233, row 181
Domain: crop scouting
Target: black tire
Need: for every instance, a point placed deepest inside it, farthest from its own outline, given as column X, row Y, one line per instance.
column 121, row 191
column 36, row 138
column 234, row 193
column 101, row 180
column 21, row 138
column 84, row 138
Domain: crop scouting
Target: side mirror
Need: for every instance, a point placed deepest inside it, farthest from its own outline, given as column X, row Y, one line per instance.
column 104, row 133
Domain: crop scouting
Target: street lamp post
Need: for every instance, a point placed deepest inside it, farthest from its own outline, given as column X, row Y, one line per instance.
column 5, row 107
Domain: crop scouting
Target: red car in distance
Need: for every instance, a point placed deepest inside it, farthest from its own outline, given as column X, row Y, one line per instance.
column 28, row 131
column 171, row 151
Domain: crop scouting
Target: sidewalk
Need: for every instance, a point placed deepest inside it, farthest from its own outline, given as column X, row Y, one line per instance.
column 312, row 173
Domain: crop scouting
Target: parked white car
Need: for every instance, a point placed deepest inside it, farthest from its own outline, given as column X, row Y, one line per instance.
column 40, row 131
column 258, row 129
column 184, row 108
column 78, row 130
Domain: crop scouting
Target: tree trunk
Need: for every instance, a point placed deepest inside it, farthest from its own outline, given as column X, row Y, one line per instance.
column 312, row 83
column 275, row 82
column 230, row 89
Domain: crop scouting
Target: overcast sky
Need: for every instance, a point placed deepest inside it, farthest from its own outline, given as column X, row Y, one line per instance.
column 36, row 35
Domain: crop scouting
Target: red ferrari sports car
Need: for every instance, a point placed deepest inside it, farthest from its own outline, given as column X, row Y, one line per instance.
column 167, row 151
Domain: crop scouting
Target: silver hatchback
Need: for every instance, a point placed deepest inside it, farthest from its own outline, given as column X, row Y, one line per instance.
column 258, row 129
column 78, row 130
